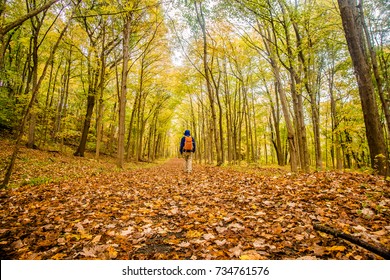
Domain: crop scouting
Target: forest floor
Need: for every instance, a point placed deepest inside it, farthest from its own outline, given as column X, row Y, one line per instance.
column 63, row 207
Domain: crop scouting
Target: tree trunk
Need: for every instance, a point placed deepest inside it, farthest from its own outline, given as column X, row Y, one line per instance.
column 354, row 36
column 130, row 143
column 202, row 24
column 36, row 24
column 87, row 123
column 291, row 136
column 99, row 121
column 275, row 125
column 336, row 145
column 375, row 67
column 93, row 79
column 123, row 93
column 49, row 97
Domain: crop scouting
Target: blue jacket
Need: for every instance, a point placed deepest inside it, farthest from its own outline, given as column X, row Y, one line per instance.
column 187, row 133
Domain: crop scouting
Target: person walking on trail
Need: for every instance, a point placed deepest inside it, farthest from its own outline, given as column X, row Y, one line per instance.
column 187, row 148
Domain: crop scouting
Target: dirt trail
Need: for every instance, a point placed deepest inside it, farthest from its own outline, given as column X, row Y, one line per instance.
column 215, row 213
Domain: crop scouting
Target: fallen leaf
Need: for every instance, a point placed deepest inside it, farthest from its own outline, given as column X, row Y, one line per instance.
column 259, row 243
column 368, row 213
column 220, row 243
column 86, row 236
column 319, row 250
column 307, row 258
column 236, row 251
column 96, row 239
column 208, row 236
column 112, row 253
column 184, row 244
column 380, row 232
column 88, row 252
column 58, row 256
column 251, row 255
column 221, row 230
column 277, row 229
column 336, row 248
column 17, row 244
column 193, row 234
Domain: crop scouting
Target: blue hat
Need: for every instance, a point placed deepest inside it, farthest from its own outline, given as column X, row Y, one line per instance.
column 187, row 133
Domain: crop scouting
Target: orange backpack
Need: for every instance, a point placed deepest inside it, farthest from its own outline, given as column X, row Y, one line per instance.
column 188, row 143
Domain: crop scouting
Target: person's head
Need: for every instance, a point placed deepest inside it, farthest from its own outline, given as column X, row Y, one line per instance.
column 187, row 133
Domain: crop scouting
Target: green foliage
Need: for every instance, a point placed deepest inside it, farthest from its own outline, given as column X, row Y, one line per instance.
column 37, row 181
column 7, row 112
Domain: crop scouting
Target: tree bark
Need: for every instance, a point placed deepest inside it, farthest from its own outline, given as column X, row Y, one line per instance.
column 336, row 145
column 377, row 249
column 99, row 121
column 375, row 68
column 123, row 93
column 354, row 35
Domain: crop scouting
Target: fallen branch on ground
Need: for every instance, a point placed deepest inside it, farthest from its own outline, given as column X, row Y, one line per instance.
column 383, row 252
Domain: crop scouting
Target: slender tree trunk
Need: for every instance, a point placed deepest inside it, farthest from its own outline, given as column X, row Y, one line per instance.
column 275, row 124
column 99, row 122
column 290, row 127
column 93, row 75
column 123, row 93
column 256, row 149
column 87, row 123
column 295, row 85
column 336, row 145
column 221, row 141
column 66, row 93
column 291, row 136
column 36, row 24
column 375, row 68
column 300, row 120
column 354, row 36
column 130, row 141
column 202, row 24
column 112, row 129
column 47, row 103
column 33, row 113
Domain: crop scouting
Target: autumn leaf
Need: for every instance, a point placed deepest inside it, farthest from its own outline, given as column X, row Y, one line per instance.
column 128, row 231
column 112, row 253
column 220, row 242
column 336, row 248
column 59, row 256
column 259, row 243
column 86, row 236
column 88, row 252
column 319, row 250
column 236, row 251
column 208, row 236
column 96, row 239
column 194, row 234
column 184, row 244
column 251, row 255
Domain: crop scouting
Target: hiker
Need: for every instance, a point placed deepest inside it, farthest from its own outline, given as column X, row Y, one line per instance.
column 187, row 147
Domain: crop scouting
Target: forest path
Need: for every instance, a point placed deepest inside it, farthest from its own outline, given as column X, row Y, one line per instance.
column 215, row 213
